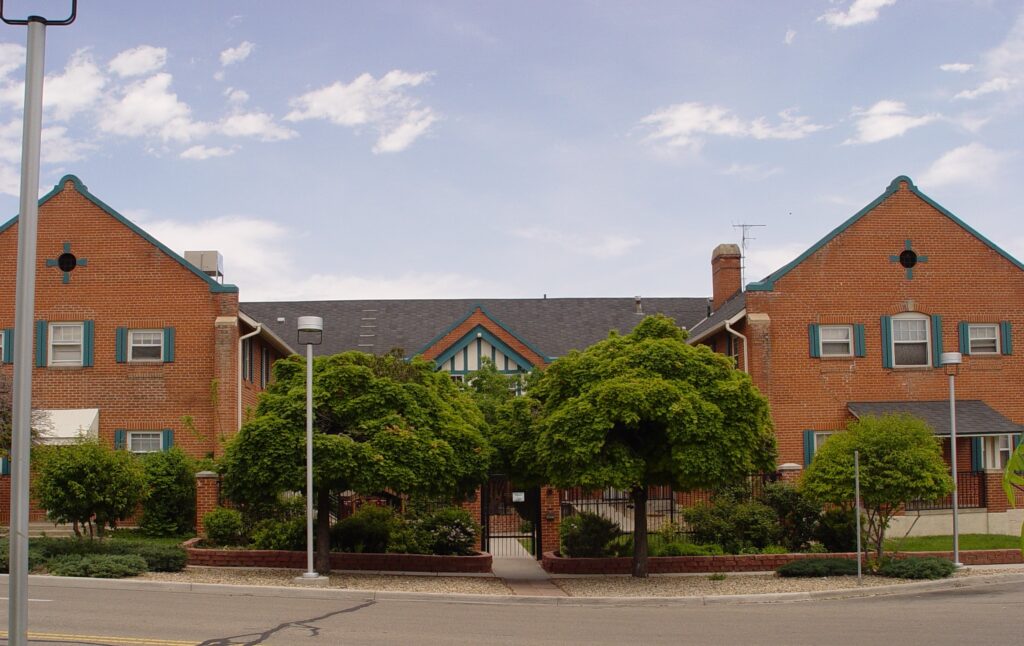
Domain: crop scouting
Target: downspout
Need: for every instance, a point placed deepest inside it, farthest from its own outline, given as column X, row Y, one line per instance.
column 728, row 328
column 259, row 329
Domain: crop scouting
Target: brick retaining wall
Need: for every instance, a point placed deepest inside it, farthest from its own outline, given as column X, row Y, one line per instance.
column 478, row 563
column 742, row 562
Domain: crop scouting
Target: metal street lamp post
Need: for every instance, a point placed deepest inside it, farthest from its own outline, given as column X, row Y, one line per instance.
column 952, row 361
column 24, row 309
column 310, row 333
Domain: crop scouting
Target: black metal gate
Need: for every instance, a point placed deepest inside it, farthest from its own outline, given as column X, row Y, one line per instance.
column 510, row 517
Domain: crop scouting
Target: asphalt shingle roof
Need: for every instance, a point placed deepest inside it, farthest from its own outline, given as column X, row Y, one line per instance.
column 552, row 326
column 973, row 416
column 729, row 309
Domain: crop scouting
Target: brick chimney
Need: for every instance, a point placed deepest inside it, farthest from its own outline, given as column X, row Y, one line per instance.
column 725, row 273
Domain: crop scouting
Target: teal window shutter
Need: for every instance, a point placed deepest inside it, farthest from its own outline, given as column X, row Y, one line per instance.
column 1016, row 439
column 41, row 344
column 168, row 344
column 121, row 345
column 1006, row 331
column 120, row 439
column 808, row 447
column 166, row 439
column 886, row 341
column 976, row 457
column 859, row 345
column 814, row 340
column 88, row 328
column 8, row 346
column 936, row 340
column 964, row 329
column 5, row 466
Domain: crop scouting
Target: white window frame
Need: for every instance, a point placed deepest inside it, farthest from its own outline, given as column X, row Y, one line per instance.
column 822, row 341
column 132, row 345
column 2, row 336
column 50, row 343
column 134, row 434
column 264, row 367
column 993, row 449
column 971, row 327
column 927, row 340
column 459, row 379
column 820, row 437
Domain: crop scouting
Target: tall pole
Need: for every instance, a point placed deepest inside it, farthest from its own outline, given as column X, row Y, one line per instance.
column 952, row 457
column 24, row 310
column 310, row 572
column 856, row 510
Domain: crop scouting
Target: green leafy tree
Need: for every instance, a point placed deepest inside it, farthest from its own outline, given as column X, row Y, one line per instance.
column 170, row 507
column 87, row 483
column 647, row 409
column 1013, row 481
column 379, row 423
column 510, row 422
column 900, row 460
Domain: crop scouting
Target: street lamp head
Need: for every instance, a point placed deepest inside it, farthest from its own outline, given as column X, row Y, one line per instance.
column 951, row 358
column 310, row 330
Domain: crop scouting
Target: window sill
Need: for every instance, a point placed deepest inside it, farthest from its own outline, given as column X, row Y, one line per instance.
column 146, row 362
column 66, row 367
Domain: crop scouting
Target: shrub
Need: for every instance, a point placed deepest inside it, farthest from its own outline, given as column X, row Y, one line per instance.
column 409, row 538
column 287, row 534
column 170, row 508
column 450, row 531
column 367, row 530
column 689, row 549
column 797, row 514
column 587, row 535
column 85, row 483
column 837, row 530
column 102, row 566
column 818, row 568
column 159, row 558
column 223, row 526
column 733, row 525
column 35, row 559
column 930, row 567
column 775, row 549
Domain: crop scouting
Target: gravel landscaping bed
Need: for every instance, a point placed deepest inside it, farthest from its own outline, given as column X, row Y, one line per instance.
column 589, row 586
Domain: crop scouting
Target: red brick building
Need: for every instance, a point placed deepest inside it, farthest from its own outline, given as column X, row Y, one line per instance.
column 856, row 325
column 133, row 345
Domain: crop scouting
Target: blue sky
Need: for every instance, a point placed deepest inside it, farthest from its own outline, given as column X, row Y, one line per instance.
column 336, row 150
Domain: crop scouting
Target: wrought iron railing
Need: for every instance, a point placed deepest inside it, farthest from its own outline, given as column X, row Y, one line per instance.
column 971, row 494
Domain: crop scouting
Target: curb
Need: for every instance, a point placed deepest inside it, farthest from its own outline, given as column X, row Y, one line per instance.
column 898, row 589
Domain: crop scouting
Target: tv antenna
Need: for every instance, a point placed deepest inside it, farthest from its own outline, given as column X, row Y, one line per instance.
column 745, row 239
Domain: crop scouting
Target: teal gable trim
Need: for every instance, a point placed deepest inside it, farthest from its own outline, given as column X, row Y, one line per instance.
column 462, row 345
column 214, row 286
column 483, row 309
column 768, row 284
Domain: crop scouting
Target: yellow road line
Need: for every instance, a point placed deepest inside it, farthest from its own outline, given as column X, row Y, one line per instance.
column 104, row 639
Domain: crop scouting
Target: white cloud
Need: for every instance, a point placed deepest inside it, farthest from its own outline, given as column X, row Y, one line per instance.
column 789, row 37
column 956, row 67
column 885, row 120
column 381, row 104
column 682, row 125
column 970, row 164
column 236, row 54
column 258, row 125
column 999, row 84
column 762, row 261
column 12, row 56
column 599, row 246
column 139, row 61
column 860, row 12
column 206, row 152
column 149, row 109
column 78, row 88
column 236, row 96
column 257, row 259
column 56, row 147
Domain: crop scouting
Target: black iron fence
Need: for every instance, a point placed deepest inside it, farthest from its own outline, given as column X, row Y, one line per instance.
column 971, row 494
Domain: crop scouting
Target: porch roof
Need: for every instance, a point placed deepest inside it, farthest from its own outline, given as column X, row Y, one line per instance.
column 973, row 416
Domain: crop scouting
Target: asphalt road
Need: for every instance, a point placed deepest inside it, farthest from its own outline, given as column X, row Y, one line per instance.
column 990, row 614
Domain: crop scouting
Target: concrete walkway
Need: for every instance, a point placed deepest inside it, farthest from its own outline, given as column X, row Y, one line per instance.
column 525, row 577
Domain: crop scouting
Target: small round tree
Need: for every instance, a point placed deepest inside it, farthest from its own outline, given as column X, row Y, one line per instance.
column 170, row 508
column 86, row 483
column 900, row 460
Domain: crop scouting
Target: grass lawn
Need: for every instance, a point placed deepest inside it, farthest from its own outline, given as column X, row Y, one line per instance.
column 945, row 543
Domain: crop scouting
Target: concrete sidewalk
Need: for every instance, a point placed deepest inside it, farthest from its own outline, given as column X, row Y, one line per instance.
column 525, row 577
